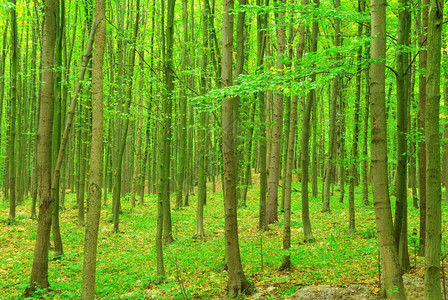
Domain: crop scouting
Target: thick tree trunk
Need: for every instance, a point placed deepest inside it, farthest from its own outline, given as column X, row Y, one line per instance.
column 39, row 272
column 433, row 180
column 393, row 282
column 96, row 155
column 237, row 281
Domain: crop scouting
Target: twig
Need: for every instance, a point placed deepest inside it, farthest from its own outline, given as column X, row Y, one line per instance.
column 179, row 280
column 261, row 250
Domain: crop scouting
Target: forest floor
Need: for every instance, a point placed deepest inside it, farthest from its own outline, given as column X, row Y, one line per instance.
column 126, row 267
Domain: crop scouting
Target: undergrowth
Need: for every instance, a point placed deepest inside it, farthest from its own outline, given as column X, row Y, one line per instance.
column 126, row 267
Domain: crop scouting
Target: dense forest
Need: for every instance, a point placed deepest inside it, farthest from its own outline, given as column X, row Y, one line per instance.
column 209, row 149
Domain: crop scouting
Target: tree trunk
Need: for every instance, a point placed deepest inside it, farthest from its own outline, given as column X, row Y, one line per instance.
column 12, row 121
column 237, row 281
column 354, row 154
column 332, row 130
column 261, row 46
column 286, row 262
column 277, row 128
column 137, row 174
column 421, row 124
column 403, row 84
column 433, row 180
column 96, row 156
column 365, row 173
column 57, row 125
column 39, row 272
column 393, row 282
column 305, row 140
column 166, row 136
column 182, row 170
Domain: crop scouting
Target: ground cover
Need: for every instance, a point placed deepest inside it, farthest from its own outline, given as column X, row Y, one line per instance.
column 126, row 261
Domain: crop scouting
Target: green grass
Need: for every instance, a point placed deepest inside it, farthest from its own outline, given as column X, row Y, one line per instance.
column 126, row 266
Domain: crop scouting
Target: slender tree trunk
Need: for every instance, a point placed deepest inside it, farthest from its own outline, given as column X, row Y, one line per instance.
column 286, row 262
column 261, row 46
column 202, row 168
column 12, row 121
column 354, row 154
column 393, row 282
column 332, row 130
column 57, row 125
column 421, row 124
column 365, row 173
column 403, row 84
column 137, row 174
column 166, row 136
column 277, row 128
column 182, row 170
column 305, row 140
column 433, row 180
column 123, row 131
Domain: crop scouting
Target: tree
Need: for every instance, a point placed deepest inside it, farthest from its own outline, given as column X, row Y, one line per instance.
column 286, row 263
column 12, row 121
column 403, row 83
column 328, row 176
column 202, row 167
column 433, row 178
column 422, row 123
column 393, row 282
column 96, row 155
column 305, row 138
column 39, row 272
column 354, row 154
column 237, row 281
column 277, row 128
column 261, row 46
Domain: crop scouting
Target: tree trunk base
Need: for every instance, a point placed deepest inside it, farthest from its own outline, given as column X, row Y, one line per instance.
column 286, row 264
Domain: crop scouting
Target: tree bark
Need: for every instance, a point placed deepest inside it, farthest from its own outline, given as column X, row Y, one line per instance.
column 393, row 282
column 12, row 122
column 237, row 283
column 421, row 124
column 305, row 140
column 277, row 128
column 39, row 271
column 96, row 155
column 403, row 84
column 332, row 130
column 433, row 180
column 354, row 154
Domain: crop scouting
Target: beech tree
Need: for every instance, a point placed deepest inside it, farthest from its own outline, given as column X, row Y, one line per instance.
column 237, row 281
column 433, row 178
column 393, row 282
column 39, row 272
column 96, row 162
